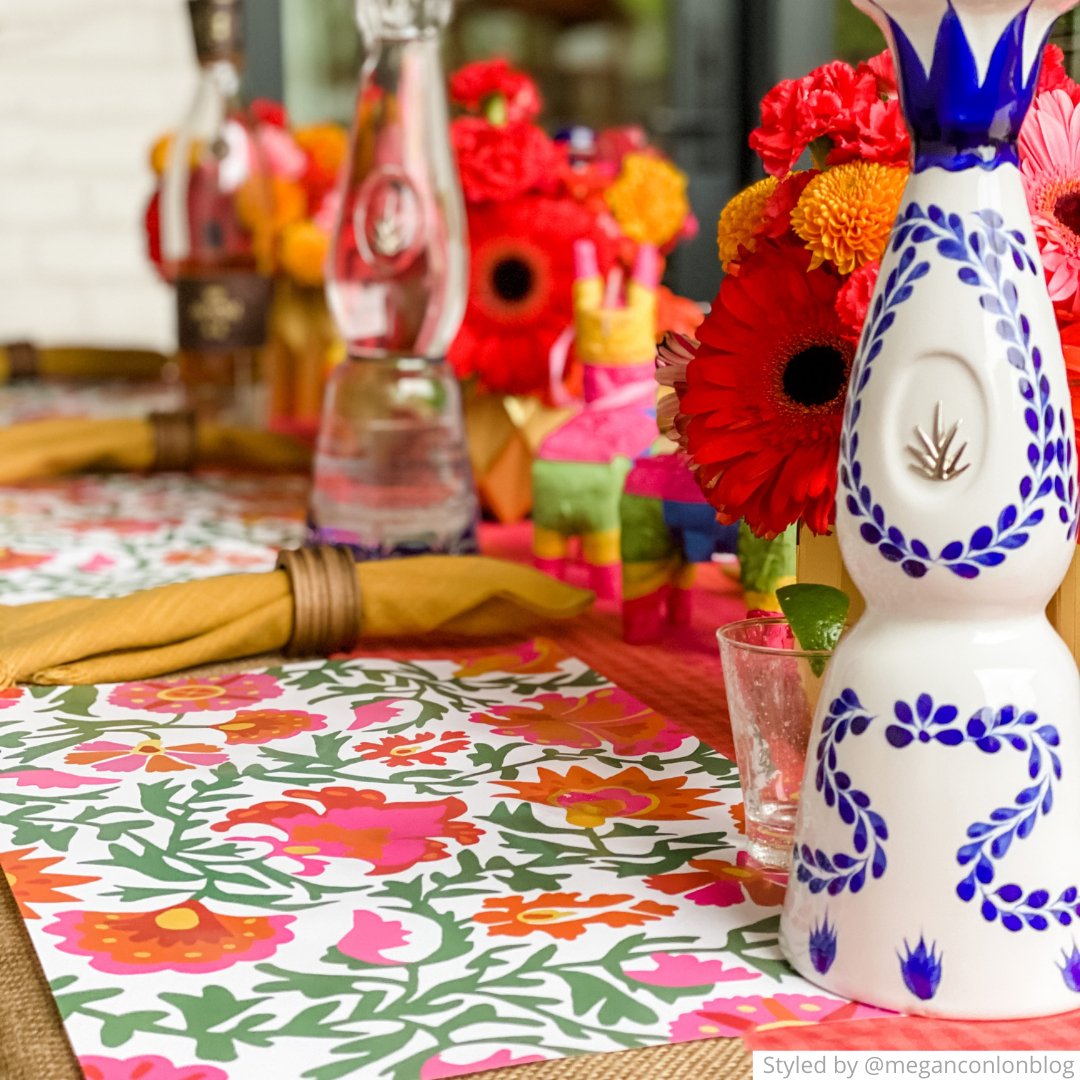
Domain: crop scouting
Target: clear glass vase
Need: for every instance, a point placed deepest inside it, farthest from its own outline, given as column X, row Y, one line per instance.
column 392, row 473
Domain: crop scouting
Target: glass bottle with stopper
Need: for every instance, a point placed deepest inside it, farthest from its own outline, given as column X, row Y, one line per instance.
column 216, row 215
column 392, row 472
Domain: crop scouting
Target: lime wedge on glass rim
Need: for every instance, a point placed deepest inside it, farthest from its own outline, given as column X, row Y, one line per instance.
column 817, row 615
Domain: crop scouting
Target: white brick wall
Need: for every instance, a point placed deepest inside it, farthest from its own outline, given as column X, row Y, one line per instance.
column 85, row 87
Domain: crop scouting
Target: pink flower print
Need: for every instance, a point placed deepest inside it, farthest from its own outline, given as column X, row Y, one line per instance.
column 104, row 756
column 218, row 693
column 147, row 1067
column 385, row 711
column 371, row 936
column 731, row 1017
column 51, row 778
column 601, row 718
column 10, row 696
column 97, row 564
column 357, row 824
column 683, row 970
column 437, row 1069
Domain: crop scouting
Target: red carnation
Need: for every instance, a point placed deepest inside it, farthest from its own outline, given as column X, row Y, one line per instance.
column 880, row 135
column 269, row 112
column 884, row 71
column 776, row 217
column 500, row 163
column 776, row 141
column 853, row 300
column 826, row 104
column 474, row 85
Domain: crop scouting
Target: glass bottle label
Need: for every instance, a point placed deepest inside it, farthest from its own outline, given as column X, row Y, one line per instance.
column 389, row 219
column 218, row 313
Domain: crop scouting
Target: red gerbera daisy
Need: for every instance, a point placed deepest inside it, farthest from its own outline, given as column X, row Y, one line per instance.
column 763, row 399
column 520, row 289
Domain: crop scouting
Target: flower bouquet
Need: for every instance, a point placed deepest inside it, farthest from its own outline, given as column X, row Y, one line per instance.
column 529, row 197
column 761, row 388
column 303, row 166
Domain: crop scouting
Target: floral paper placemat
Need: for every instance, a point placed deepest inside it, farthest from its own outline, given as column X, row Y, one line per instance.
column 383, row 869
column 110, row 535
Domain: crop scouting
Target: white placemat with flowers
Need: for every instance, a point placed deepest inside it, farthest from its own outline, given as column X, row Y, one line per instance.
column 383, row 868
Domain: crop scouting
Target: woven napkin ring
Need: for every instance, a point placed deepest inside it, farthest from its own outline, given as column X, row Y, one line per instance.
column 175, row 440
column 326, row 600
column 24, row 361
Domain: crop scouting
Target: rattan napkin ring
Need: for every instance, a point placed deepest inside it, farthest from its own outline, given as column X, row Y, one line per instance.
column 24, row 361
column 326, row 600
column 175, row 440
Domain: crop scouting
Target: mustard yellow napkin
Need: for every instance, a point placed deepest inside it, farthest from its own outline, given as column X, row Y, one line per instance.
column 79, row 363
column 43, row 448
column 174, row 627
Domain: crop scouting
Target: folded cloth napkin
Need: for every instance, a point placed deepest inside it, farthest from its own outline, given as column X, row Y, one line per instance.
column 22, row 360
column 43, row 448
column 157, row 631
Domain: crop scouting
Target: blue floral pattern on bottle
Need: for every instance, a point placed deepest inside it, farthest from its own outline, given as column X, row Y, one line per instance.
column 1070, row 969
column 842, row 870
column 823, row 946
column 983, row 250
column 963, row 118
column 921, row 968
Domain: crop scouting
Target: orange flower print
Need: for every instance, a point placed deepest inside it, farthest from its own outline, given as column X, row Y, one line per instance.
column 565, row 915
column 20, row 560
column 30, row 884
column 589, row 800
column 354, row 824
column 719, row 883
column 609, row 716
column 218, row 693
column 424, row 748
column 186, row 937
column 104, row 756
column 738, row 815
column 265, row 725
column 539, row 657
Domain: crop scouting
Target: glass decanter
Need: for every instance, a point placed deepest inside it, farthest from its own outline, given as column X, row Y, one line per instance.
column 392, row 472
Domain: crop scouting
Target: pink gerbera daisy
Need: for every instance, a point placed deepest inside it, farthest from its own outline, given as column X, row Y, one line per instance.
column 1050, row 164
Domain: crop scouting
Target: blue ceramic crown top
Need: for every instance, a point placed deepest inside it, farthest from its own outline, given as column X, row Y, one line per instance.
column 965, row 98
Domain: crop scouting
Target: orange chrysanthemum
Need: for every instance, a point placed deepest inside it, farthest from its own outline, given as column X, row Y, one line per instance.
column 590, row 800
column 649, row 199
column 326, row 143
column 565, row 915
column 845, row 214
column 304, row 248
column 741, row 219
column 30, row 884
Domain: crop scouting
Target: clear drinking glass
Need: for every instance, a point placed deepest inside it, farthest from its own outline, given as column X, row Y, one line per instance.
column 772, row 691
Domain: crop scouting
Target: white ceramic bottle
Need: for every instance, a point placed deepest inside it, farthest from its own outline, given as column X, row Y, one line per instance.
column 937, row 866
